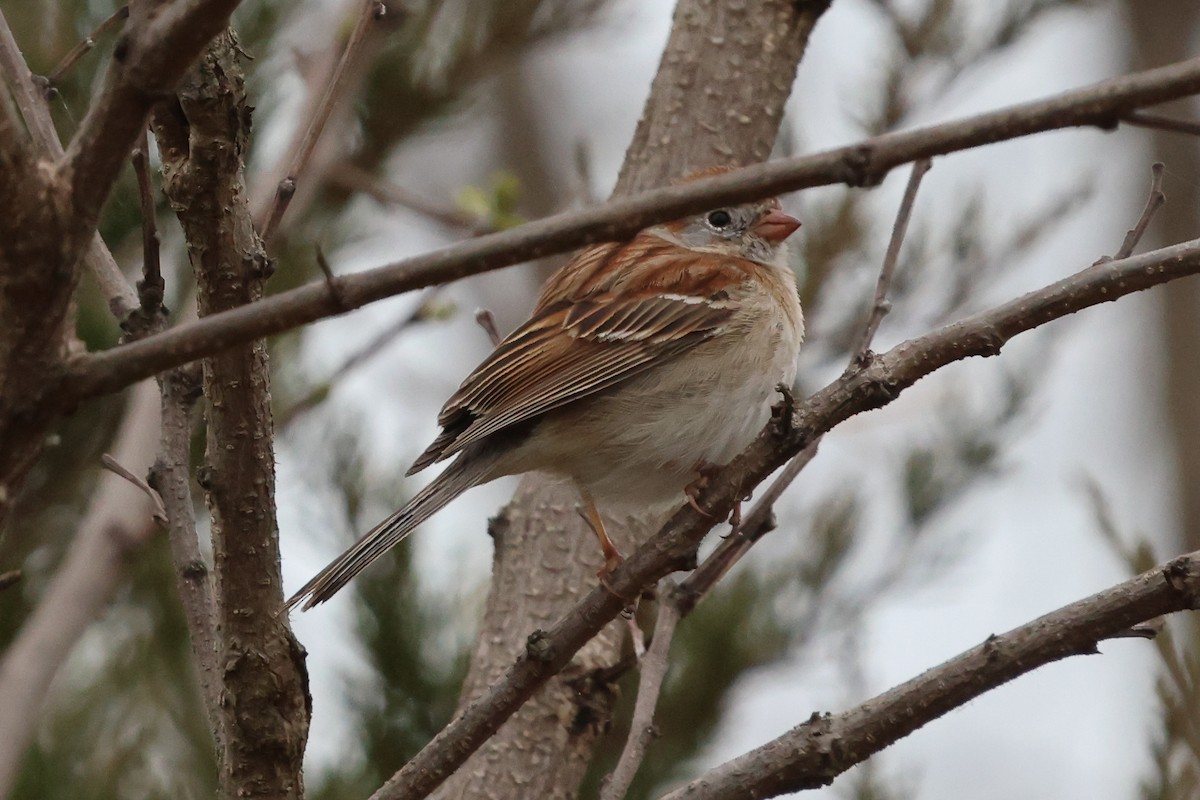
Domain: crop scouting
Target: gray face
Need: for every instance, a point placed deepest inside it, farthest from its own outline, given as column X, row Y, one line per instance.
column 727, row 230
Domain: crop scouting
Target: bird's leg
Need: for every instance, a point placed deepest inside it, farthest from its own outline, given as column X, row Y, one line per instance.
column 704, row 473
column 612, row 556
column 591, row 515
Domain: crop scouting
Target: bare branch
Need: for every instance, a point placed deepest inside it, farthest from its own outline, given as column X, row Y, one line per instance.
column 756, row 524
column 372, row 10
column 880, row 305
column 653, row 666
column 1145, row 119
column 29, row 99
column 114, row 466
column 1154, row 202
column 878, row 384
column 814, row 753
column 171, row 477
column 158, row 45
column 32, row 102
column 85, row 45
column 262, row 713
column 861, row 164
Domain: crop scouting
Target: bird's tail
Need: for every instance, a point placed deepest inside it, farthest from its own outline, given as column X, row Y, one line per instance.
column 455, row 480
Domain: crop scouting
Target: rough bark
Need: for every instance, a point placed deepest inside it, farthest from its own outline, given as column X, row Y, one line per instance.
column 48, row 215
column 1155, row 44
column 717, row 99
column 265, row 709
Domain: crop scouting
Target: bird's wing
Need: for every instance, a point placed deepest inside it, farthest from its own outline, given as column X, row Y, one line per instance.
column 568, row 351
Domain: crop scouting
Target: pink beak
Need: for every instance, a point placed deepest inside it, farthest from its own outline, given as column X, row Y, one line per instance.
column 776, row 226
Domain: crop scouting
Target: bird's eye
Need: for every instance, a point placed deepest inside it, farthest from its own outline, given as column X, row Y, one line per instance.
column 719, row 218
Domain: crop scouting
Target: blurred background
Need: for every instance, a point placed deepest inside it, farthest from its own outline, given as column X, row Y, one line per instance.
column 988, row 494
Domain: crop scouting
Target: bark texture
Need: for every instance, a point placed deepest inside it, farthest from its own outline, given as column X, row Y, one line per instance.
column 717, row 99
column 265, row 707
column 49, row 211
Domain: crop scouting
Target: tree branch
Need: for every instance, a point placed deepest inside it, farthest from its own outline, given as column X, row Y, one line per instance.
column 372, row 10
column 873, row 386
column 34, row 109
column 178, row 389
column 861, row 164
column 263, row 709
column 814, row 753
column 77, row 52
column 158, row 45
column 171, row 477
column 653, row 670
column 880, row 305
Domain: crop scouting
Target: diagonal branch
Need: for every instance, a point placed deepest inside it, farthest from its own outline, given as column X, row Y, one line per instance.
column 812, row 754
column 372, row 10
column 880, row 306
column 37, row 118
column 861, row 164
column 158, row 45
column 674, row 546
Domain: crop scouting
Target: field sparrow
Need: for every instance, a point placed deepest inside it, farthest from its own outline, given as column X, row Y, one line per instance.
column 642, row 362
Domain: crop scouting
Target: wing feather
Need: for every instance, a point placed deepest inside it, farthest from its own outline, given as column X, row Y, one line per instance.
column 568, row 351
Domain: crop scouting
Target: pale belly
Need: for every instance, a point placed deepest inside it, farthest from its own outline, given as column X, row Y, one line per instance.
column 637, row 447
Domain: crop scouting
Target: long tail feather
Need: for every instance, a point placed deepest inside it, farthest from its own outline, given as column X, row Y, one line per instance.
column 455, row 480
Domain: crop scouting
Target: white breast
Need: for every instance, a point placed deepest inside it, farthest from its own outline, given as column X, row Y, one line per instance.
column 703, row 409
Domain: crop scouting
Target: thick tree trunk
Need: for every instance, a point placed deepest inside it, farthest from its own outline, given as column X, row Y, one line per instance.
column 717, row 99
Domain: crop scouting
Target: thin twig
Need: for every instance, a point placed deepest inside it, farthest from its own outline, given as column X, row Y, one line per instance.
column 756, row 524
column 151, row 289
column 865, row 161
column 1154, row 202
column 485, row 320
column 114, row 466
column 653, row 669
column 372, row 10
column 1146, row 119
column 331, row 283
column 881, row 305
column 77, row 52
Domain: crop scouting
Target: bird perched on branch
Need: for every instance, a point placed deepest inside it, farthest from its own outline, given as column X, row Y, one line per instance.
column 643, row 363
